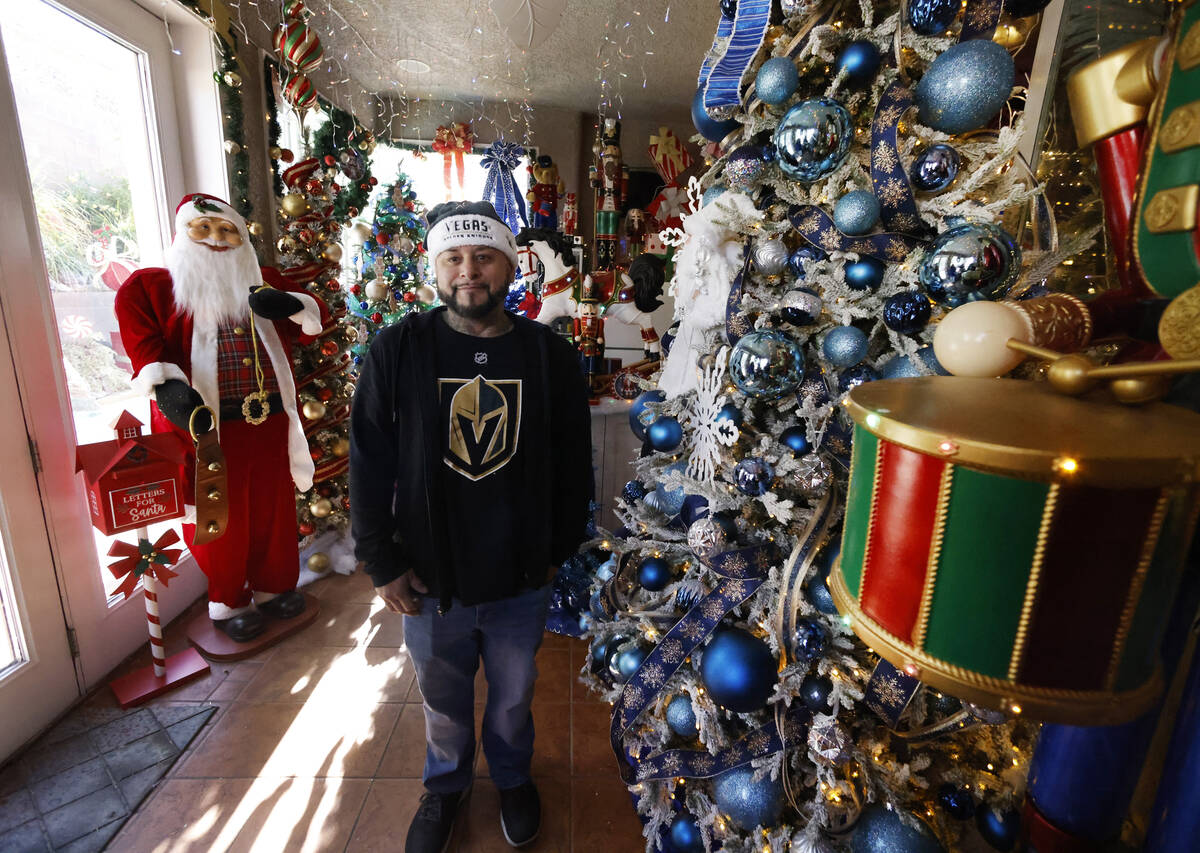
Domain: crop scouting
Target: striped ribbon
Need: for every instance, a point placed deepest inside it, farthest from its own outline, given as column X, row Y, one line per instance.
column 898, row 205
column 499, row 160
column 722, row 79
column 724, row 30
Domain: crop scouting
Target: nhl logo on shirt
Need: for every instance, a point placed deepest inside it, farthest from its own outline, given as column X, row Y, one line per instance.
column 485, row 421
column 481, row 358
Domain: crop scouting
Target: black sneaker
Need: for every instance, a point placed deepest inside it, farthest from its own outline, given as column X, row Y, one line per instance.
column 520, row 814
column 433, row 823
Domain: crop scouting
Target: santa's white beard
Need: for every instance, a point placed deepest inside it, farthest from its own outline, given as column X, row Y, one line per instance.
column 213, row 287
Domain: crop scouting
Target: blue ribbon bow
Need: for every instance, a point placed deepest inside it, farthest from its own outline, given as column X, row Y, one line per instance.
column 499, row 160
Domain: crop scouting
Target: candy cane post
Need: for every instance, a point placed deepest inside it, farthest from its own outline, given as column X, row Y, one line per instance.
column 133, row 481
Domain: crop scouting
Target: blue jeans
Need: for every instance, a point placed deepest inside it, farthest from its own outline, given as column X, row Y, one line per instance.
column 445, row 652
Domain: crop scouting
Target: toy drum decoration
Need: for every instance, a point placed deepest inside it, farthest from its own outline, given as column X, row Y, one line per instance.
column 1017, row 548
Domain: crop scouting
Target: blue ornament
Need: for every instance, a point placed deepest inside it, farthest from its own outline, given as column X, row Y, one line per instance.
column 970, row 262
column 935, row 168
column 749, row 803
column 907, row 312
column 845, row 346
column 818, row 595
column 795, row 439
column 943, row 704
column 932, row 17
column 654, row 574
column 681, row 717
column 777, row 80
column 854, row 376
column 729, row 8
column 957, row 802
column 628, row 661
column 814, row 693
column 856, row 212
column 685, row 835
column 753, row 476
column 804, row 253
column 611, row 649
column 694, row 508
column 729, row 412
column 809, row 640
column 710, row 128
column 860, row 60
column 880, row 830
column 899, row 367
column 965, row 87
column 633, row 491
column 999, row 829
column 813, row 139
column 865, row 274
column 801, row 307
column 738, row 670
column 744, row 167
column 670, row 501
column 665, row 433
column 766, row 363
column 712, row 193
column 639, row 416
column 926, row 356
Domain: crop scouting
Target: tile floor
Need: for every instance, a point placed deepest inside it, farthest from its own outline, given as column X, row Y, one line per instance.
column 317, row 745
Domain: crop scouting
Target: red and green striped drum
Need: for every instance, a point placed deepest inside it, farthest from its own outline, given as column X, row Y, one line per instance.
column 1017, row 548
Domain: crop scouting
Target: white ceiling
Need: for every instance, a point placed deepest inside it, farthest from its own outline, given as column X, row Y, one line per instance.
column 649, row 63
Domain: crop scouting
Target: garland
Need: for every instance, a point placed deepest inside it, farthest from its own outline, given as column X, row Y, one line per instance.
column 336, row 135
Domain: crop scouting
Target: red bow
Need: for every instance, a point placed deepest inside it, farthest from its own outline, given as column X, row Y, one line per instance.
column 144, row 559
column 451, row 142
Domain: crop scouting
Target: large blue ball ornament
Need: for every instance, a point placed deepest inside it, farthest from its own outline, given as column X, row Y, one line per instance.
column 935, row 168
column 795, row 439
column 681, row 717
column 860, row 60
column 804, row 253
column 865, row 274
column 670, row 501
column 639, row 416
column 965, row 87
column 880, row 830
column 777, row 80
column 729, row 412
column 654, row 574
column 813, row 139
column 899, row 367
column 685, row 835
column 665, row 433
column 999, row 829
column 753, row 476
column 931, row 17
column 738, row 670
column 766, row 363
column 749, row 803
column 856, row 212
column 815, row 691
column 970, row 262
column 710, row 128
column 845, row 346
column 852, row 377
column 926, row 356
column 907, row 312
column 628, row 661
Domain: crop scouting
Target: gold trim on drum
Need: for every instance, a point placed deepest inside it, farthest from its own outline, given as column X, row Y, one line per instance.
column 1035, row 579
column 1136, row 585
column 935, row 554
column 1071, row 707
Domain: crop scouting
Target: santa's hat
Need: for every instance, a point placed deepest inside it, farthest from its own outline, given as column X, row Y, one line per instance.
column 195, row 205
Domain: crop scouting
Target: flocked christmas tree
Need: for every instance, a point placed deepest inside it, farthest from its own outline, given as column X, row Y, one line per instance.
column 392, row 282
column 854, row 197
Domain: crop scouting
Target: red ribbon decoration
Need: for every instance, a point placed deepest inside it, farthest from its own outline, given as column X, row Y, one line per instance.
column 144, row 559
column 452, row 142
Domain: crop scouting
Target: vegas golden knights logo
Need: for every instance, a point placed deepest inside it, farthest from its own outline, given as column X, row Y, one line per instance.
column 485, row 421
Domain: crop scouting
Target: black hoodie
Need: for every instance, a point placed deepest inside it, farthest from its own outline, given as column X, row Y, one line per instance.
column 396, row 491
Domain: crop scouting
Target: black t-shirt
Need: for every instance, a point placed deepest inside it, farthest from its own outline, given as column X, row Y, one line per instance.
column 482, row 404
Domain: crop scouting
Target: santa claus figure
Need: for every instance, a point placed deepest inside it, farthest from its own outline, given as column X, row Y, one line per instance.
column 215, row 330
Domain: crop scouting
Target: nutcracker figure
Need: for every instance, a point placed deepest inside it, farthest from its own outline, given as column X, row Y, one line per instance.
column 610, row 180
column 635, row 232
column 570, row 215
column 543, row 196
column 589, row 331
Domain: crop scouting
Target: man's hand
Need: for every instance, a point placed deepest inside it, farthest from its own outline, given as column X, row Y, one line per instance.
column 400, row 595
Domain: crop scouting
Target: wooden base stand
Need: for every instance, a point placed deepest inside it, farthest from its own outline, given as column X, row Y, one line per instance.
column 143, row 684
column 215, row 644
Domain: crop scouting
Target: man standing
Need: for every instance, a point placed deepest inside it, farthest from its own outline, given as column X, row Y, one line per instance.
column 214, row 329
column 470, row 479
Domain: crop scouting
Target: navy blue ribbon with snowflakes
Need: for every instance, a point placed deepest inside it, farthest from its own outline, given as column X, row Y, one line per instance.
column 736, row 322
column 898, row 205
column 816, row 226
column 979, row 19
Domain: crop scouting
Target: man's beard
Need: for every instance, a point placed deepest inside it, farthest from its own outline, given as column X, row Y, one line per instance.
column 474, row 311
column 213, row 287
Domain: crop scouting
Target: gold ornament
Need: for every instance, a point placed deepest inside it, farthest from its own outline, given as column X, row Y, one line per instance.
column 1069, row 374
column 276, row 152
column 232, row 147
column 340, row 447
column 294, row 204
column 319, row 562
column 332, row 253
column 1136, row 390
column 255, row 229
column 314, row 410
column 232, row 79
column 321, row 508
column 351, row 334
column 426, row 294
column 1179, row 327
column 286, row 244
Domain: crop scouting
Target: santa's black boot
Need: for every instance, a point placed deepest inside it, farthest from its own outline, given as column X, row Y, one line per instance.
column 284, row 606
column 243, row 627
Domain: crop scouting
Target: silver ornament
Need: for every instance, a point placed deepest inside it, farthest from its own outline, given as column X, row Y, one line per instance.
column 801, row 307
column 813, row 474
column 970, row 262
column 706, row 537
column 770, row 257
column 828, row 740
column 744, row 166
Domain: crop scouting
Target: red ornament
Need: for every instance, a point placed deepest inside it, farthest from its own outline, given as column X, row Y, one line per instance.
column 286, row 155
column 421, row 246
column 408, row 205
column 376, row 317
column 409, row 296
column 332, row 285
column 383, row 238
column 325, row 395
column 316, row 453
column 346, row 503
column 306, row 528
column 355, row 289
column 373, row 180
column 353, row 211
column 306, row 236
column 325, row 490
column 329, row 348
column 330, row 160
column 364, row 187
column 312, row 187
